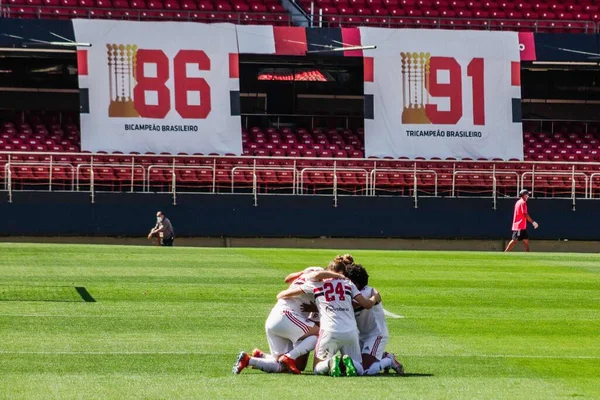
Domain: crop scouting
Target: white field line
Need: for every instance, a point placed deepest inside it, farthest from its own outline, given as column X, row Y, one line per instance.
column 391, row 314
column 135, row 353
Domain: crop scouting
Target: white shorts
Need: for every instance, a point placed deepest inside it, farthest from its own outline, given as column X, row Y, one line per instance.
column 284, row 328
column 330, row 343
column 374, row 345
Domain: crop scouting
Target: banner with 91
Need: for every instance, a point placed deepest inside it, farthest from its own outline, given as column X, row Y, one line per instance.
column 441, row 93
column 158, row 87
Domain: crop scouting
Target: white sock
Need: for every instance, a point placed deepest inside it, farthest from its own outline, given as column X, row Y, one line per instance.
column 303, row 347
column 265, row 364
column 359, row 368
column 378, row 366
column 322, row 368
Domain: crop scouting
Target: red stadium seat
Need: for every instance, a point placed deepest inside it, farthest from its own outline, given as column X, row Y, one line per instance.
column 223, row 178
column 186, row 177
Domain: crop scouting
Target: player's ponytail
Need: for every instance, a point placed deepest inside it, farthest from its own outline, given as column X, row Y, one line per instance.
column 338, row 267
column 348, row 259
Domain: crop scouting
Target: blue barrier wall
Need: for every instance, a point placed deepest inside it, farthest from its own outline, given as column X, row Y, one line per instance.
column 132, row 214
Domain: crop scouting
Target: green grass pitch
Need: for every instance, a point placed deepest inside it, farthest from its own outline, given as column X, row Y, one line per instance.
column 168, row 323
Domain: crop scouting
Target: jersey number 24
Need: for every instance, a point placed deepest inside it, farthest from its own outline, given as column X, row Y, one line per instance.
column 331, row 291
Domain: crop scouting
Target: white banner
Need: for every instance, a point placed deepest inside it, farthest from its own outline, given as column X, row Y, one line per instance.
column 442, row 93
column 158, row 87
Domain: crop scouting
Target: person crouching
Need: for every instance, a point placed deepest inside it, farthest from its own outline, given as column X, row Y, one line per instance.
column 163, row 231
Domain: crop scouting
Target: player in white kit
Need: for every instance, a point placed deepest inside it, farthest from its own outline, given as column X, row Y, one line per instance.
column 372, row 327
column 338, row 326
column 289, row 333
column 311, row 308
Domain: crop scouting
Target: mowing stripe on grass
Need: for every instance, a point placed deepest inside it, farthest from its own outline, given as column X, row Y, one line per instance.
column 38, row 293
column 136, row 353
column 58, row 294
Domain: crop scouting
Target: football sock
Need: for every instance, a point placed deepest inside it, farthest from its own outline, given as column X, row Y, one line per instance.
column 265, row 364
column 304, row 346
column 359, row 368
column 322, row 368
column 378, row 366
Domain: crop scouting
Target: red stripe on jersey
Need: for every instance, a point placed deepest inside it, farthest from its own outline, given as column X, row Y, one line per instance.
column 318, row 289
column 296, row 322
column 306, row 328
column 373, row 349
column 376, row 346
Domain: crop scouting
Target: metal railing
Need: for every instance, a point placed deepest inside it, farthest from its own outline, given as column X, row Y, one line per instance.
column 79, row 178
column 571, row 175
column 411, row 172
column 493, row 172
column 9, row 183
column 592, row 176
column 172, row 171
column 92, row 191
column 253, row 169
column 50, row 166
column 86, row 173
column 334, row 171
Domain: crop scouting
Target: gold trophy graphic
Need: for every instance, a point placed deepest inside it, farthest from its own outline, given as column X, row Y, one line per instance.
column 121, row 79
column 415, row 81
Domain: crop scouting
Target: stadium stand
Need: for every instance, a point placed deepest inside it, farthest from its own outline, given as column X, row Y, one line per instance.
column 522, row 15
column 562, row 142
column 41, row 151
column 575, row 16
column 269, row 12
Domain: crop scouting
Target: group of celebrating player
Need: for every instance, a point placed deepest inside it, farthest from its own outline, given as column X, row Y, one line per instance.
column 332, row 311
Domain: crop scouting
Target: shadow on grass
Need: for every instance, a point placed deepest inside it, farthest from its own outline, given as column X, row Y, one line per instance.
column 406, row 375
column 58, row 294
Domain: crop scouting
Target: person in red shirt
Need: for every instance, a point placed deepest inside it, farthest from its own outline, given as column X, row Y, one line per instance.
column 519, row 226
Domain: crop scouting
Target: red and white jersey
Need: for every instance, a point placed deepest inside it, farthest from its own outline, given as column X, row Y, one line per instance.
column 334, row 301
column 370, row 322
column 295, row 303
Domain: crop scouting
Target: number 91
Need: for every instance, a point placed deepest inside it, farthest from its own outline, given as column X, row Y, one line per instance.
column 453, row 90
